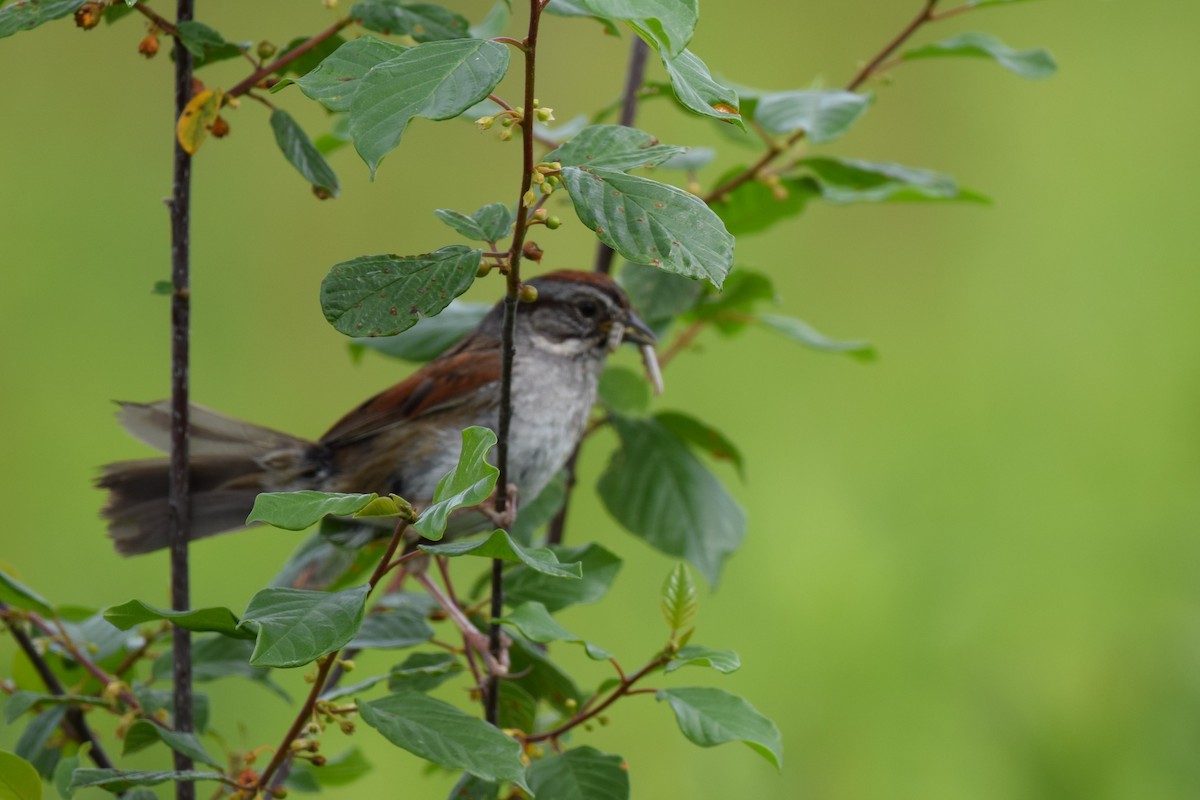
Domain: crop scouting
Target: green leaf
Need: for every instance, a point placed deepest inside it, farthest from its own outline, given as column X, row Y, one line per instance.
column 117, row 780
column 349, row 690
column 393, row 629
column 707, row 438
column 333, row 82
column 432, row 337
column 295, row 511
column 205, row 44
column 217, row 619
column 424, row 22
column 468, row 484
column 615, row 147
column 624, row 391
column 340, row 770
column 658, row 296
column 657, row 490
column 213, row 657
column 20, row 702
column 18, row 594
column 143, row 734
column 491, row 223
column 34, row 743
column 516, row 708
column 386, row 294
column 844, row 180
column 822, row 115
column 153, row 700
column 494, row 24
column 296, row 626
column 651, row 223
column 533, row 621
column 600, row 567
column 805, row 334
column 667, row 25
column 754, row 207
column 696, row 90
column 542, row 678
column 678, row 600
column 18, row 779
column 730, row 310
column 437, row 80
column 500, row 545
column 67, row 766
column 311, row 58
column 423, row 672
column 440, row 733
column 299, row 150
column 472, row 787
column 540, row 510
column 583, row 773
column 25, row 15
column 724, row 661
column 709, row 717
column 1036, row 63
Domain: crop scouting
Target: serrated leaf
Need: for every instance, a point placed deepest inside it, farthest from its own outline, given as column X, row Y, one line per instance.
column 333, row 82
column 143, row 734
column 500, row 545
column 217, row 619
column 809, row 336
column 533, row 621
column 24, row 15
column 667, row 25
column 696, row 90
column 309, row 60
column 624, row 391
column 437, row 80
column 1036, row 63
column 723, row 661
column 423, row 672
column 651, row 223
column 296, row 626
column 19, row 595
column 386, row 294
column 295, row 511
column 206, row 45
column 439, row 732
column 468, row 484
column 600, row 568
column 18, row 778
column 117, row 780
column 709, row 717
column 300, row 152
column 491, row 223
column 583, row 773
column 822, row 115
column 754, row 207
column 844, row 180
column 340, row 770
column 197, row 119
column 393, row 629
column 657, row 490
column 615, row 147
column 678, row 600
column 424, row 22
column 542, row 678
column 433, row 336
column 704, row 436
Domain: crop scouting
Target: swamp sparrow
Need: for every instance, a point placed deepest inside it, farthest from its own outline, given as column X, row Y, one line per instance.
column 405, row 438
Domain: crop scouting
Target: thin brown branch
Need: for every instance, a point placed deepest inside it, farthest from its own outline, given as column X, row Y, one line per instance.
column 162, row 23
column 868, row 69
column 467, row 649
column 623, row 688
column 263, row 72
column 681, row 343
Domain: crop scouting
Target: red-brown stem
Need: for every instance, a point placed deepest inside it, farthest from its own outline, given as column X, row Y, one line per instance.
column 163, row 25
column 253, row 79
column 681, row 343
column 774, row 150
column 622, row 689
column 467, row 649
column 56, row 632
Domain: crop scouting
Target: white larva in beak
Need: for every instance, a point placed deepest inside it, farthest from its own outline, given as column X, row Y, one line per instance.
column 653, row 373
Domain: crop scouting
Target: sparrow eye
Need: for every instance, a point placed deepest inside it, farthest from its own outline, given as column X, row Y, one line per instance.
column 587, row 308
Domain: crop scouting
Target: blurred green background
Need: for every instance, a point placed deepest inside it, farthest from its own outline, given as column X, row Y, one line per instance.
column 971, row 566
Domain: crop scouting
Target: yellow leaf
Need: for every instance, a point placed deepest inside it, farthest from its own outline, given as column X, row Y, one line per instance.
column 197, row 119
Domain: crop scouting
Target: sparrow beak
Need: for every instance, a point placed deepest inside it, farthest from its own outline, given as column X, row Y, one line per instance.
column 639, row 333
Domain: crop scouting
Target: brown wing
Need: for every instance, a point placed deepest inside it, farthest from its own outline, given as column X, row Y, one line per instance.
column 442, row 383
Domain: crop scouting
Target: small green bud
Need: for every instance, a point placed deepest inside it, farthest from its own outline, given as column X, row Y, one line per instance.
column 553, row 223
column 265, row 49
column 545, row 114
column 529, row 198
column 505, row 134
column 485, row 123
column 528, row 293
column 506, row 121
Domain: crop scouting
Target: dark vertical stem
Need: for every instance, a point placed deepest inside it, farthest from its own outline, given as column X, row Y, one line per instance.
column 634, row 77
column 508, row 343
column 180, row 495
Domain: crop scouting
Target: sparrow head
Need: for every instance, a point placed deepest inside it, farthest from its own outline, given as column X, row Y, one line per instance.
column 585, row 310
